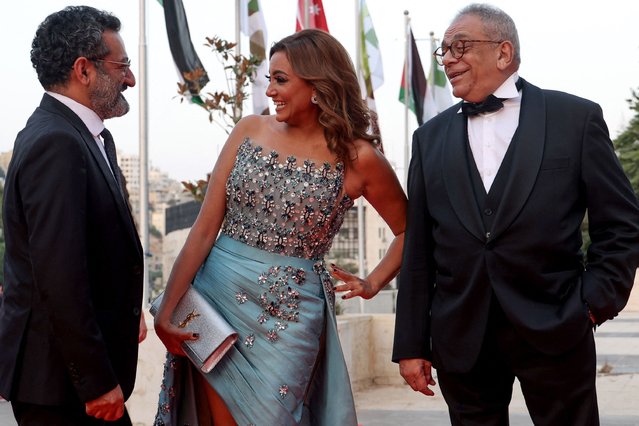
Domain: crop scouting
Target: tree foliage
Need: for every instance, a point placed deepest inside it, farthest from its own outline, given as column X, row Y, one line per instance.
column 627, row 144
column 197, row 189
column 225, row 107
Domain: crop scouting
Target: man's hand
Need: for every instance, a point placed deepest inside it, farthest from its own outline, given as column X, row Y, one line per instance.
column 417, row 373
column 109, row 406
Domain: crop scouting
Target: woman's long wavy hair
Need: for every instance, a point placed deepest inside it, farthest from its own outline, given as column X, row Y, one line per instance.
column 318, row 58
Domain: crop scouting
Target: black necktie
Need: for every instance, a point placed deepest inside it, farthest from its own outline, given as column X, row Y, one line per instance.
column 490, row 104
column 109, row 149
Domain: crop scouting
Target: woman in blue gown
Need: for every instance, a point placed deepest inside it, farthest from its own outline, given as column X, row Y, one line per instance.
column 276, row 198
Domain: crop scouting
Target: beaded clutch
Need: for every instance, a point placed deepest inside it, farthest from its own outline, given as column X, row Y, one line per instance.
column 195, row 314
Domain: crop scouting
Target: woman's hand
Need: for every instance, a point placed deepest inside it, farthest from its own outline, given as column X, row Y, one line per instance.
column 171, row 336
column 354, row 285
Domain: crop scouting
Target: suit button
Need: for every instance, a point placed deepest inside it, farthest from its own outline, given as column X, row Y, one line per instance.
column 137, row 270
column 488, row 212
column 136, row 311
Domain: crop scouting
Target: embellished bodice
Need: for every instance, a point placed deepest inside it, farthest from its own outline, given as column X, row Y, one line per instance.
column 284, row 206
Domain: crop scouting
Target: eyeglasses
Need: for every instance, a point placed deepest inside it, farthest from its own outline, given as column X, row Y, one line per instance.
column 124, row 66
column 456, row 49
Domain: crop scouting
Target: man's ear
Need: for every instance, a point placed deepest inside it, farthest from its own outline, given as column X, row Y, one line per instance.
column 506, row 55
column 82, row 70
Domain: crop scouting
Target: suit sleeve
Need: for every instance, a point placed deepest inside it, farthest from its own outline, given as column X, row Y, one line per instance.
column 416, row 279
column 53, row 187
column 613, row 222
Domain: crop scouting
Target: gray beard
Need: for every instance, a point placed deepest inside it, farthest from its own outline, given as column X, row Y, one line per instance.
column 106, row 99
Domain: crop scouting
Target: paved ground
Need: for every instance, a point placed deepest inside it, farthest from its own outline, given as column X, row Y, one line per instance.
column 617, row 385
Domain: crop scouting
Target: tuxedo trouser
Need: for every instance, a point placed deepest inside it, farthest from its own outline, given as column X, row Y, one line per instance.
column 27, row 414
column 559, row 390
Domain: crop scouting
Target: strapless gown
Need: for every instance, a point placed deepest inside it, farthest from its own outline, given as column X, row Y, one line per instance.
column 266, row 276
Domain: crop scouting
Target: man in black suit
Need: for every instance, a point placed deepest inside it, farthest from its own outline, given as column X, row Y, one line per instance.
column 493, row 283
column 71, row 317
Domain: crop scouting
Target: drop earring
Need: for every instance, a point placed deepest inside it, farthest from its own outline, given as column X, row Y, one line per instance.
column 314, row 100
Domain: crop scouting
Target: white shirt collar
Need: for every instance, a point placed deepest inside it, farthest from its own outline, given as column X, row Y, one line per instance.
column 508, row 89
column 87, row 115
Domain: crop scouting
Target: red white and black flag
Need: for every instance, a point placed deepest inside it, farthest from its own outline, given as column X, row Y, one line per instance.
column 182, row 50
column 415, row 81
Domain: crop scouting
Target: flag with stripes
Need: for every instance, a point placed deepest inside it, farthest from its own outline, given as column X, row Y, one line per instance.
column 314, row 11
column 182, row 50
column 438, row 94
column 254, row 26
column 415, row 81
column 370, row 62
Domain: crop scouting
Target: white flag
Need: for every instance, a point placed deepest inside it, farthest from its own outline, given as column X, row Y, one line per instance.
column 254, row 26
column 371, row 60
column 438, row 94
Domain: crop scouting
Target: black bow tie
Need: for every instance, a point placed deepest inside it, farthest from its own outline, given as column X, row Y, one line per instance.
column 490, row 104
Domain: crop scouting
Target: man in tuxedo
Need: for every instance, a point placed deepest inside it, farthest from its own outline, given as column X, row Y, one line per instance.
column 71, row 317
column 494, row 284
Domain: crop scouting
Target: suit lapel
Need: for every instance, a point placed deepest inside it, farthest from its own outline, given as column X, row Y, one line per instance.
column 457, row 177
column 529, row 139
column 51, row 104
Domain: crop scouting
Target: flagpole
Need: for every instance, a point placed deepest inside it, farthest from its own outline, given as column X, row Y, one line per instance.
column 238, row 45
column 306, row 17
column 433, row 66
column 143, row 149
column 406, row 96
column 238, row 24
column 360, row 200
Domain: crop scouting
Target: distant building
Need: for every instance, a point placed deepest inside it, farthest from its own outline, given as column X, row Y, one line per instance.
column 345, row 253
column 163, row 193
column 162, row 189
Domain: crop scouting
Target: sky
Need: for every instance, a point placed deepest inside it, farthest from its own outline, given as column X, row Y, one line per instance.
column 585, row 47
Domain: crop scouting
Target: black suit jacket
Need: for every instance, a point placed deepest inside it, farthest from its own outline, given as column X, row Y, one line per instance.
column 563, row 165
column 73, row 268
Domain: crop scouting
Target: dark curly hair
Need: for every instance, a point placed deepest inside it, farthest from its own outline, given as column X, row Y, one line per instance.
column 65, row 36
column 318, row 58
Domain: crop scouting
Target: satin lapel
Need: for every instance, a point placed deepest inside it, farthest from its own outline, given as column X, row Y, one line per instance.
column 457, row 177
column 529, row 139
column 51, row 104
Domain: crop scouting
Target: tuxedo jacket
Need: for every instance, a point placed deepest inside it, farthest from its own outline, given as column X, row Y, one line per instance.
column 561, row 165
column 73, row 268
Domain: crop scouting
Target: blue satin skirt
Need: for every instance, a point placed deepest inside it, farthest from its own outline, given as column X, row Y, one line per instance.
column 287, row 367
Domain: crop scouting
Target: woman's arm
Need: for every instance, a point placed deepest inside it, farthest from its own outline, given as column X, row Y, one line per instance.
column 200, row 240
column 372, row 176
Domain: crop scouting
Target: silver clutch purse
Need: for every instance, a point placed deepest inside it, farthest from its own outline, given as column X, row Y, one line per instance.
column 195, row 314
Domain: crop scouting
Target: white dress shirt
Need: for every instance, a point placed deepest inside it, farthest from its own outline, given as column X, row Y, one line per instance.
column 489, row 134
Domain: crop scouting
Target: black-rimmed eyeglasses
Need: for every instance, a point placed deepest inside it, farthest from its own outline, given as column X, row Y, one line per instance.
column 457, row 49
